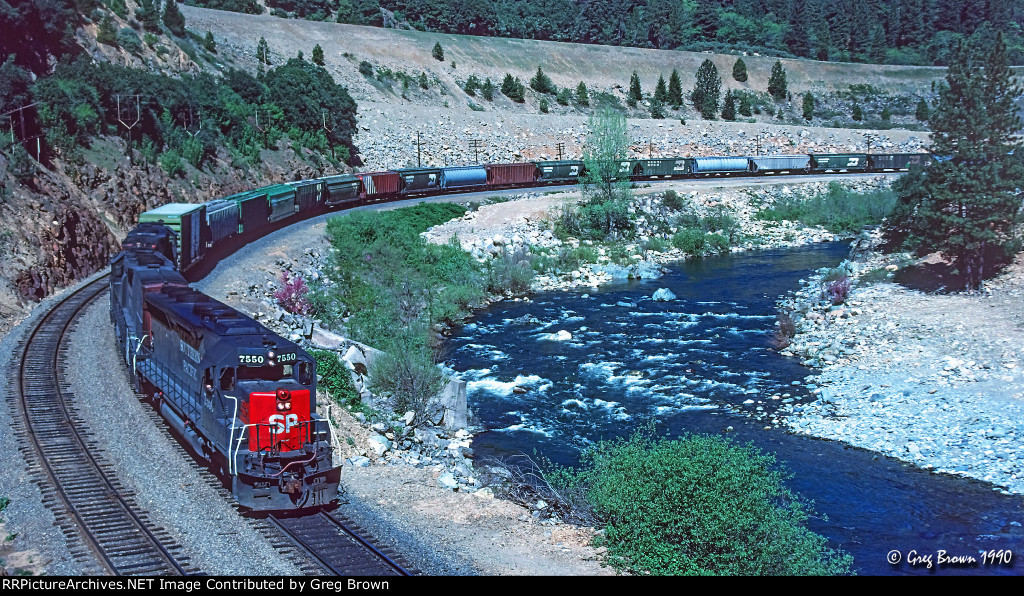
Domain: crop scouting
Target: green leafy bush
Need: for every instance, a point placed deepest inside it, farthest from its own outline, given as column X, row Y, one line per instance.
column 335, row 378
column 838, row 209
column 699, row 505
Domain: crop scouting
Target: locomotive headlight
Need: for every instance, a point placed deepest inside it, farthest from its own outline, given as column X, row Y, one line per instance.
column 271, row 354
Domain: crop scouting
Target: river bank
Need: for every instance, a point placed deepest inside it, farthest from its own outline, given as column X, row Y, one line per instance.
column 932, row 379
column 728, row 209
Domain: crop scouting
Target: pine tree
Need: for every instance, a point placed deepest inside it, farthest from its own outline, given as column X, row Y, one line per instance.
column 660, row 91
column 210, row 43
column 513, row 88
column 173, row 19
column 657, row 109
column 729, row 106
column 967, row 205
column 797, row 38
column 739, row 70
column 471, row 86
column 857, row 113
column 438, row 52
column 707, row 90
column 635, row 94
column 582, row 96
column 675, row 90
column 488, row 90
column 148, row 14
column 263, row 52
column 777, row 82
column 318, row 55
column 541, row 83
column 922, row 112
column 424, row 84
column 745, row 107
column 808, row 106
column 564, row 96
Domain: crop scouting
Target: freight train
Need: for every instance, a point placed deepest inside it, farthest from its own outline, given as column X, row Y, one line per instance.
column 202, row 227
column 243, row 397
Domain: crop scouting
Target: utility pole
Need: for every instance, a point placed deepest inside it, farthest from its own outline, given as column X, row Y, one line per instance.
column 262, row 129
column 129, row 127
column 560, row 147
column 328, row 131
column 419, row 150
column 476, row 144
column 191, row 123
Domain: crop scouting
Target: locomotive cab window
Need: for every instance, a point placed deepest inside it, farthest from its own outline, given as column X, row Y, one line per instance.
column 227, row 379
column 305, row 373
column 280, row 372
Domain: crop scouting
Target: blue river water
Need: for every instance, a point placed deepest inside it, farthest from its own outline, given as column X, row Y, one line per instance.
column 567, row 369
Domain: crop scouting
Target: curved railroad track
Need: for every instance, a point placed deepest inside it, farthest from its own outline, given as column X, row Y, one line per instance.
column 337, row 546
column 95, row 511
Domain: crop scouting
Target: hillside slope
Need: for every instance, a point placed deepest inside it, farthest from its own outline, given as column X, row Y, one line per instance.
column 601, row 67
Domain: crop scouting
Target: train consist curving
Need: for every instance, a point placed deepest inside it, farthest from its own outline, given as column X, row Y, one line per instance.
column 245, row 398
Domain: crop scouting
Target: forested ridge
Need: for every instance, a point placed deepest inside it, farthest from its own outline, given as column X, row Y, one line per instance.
column 875, row 31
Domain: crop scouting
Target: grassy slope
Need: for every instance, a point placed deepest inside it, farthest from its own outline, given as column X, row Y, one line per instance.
column 567, row 64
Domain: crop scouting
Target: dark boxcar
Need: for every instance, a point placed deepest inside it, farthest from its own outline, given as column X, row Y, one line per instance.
column 720, row 165
column 375, row 186
column 187, row 221
column 897, row 161
column 853, row 162
column 342, row 190
column 253, row 211
column 500, row 174
column 418, row 179
column 221, row 221
column 559, row 171
column 308, row 194
column 780, row 163
column 460, row 176
column 281, row 199
column 664, row 167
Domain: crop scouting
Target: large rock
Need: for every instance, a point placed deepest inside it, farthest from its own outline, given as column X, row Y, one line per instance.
column 452, row 404
column 663, row 295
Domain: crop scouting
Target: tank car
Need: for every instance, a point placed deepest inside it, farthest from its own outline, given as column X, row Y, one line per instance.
column 241, row 396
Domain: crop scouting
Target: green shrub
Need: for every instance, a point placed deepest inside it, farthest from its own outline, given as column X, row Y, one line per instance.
column 335, row 378
column 690, row 240
column 699, row 505
column 366, row 68
column 839, row 210
column 170, row 161
column 673, row 200
column 406, row 373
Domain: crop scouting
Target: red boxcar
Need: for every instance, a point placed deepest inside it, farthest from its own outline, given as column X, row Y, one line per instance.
column 375, row 185
column 499, row 174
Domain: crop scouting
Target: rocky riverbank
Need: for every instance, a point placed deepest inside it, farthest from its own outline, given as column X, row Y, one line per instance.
column 526, row 225
column 934, row 380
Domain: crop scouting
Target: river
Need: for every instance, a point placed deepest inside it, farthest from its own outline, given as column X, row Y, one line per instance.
column 556, row 374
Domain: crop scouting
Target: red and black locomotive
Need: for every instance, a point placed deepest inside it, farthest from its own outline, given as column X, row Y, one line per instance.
column 241, row 396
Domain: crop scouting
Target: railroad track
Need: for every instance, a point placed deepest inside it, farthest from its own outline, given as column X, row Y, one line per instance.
column 337, row 546
column 95, row 511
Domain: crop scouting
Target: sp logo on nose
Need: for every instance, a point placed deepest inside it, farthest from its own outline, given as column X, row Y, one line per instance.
column 282, row 423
